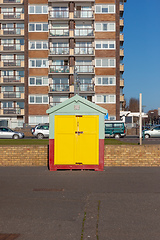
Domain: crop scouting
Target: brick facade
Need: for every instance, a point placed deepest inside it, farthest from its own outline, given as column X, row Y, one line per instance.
column 115, row 156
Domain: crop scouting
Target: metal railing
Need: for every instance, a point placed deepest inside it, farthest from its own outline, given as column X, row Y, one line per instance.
column 83, row 14
column 12, row 1
column 8, row 79
column 82, row 50
column 11, row 47
column 12, row 15
column 83, row 32
column 59, row 14
column 85, row 68
column 11, row 94
column 59, row 32
column 12, row 110
column 59, row 69
column 12, row 31
column 85, row 87
column 12, row 63
column 59, row 50
column 58, row 87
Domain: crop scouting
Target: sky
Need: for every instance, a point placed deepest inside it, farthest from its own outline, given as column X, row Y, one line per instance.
column 142, row 52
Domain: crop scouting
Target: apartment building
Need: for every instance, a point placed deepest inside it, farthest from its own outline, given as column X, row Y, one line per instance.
column 51, row 50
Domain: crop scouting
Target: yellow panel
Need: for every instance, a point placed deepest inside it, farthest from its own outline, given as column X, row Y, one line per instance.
column 87, row 141
column 64, row 147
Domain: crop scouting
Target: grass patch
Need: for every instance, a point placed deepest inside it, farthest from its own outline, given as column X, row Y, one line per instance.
column 111, row 141
column 24, row 141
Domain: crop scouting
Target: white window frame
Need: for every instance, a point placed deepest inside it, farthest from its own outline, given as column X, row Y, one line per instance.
column 35, row 122
column 35, row 27
column 101, row 62
column 38, row 95
column 34, row 9
column 105, row 5
column 101, row 99
column 102, row 42
column 38, row 59
column 35, row 43
column 108, row 27
column 101, row 84
column 43, row 84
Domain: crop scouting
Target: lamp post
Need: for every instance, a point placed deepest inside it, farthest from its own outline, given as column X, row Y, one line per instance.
column 140, row 118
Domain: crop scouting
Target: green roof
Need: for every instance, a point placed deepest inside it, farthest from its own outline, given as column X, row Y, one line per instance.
column 75, row 99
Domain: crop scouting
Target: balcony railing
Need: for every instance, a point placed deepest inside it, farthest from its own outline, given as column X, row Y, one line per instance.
column 58, row 87
column 59, row 32
column 11, row 31
column 83, row 32
column 86, row 87
column 83, row 14
column 59, row 51
column 11, row 95
column 12, row 63
column 9, row 79
column 11, row 1
column 59, row 69
column 11, row 47
column 59, row 14
column 85, row 51
column 85, row 69
column 12, row 15
column 17, row 110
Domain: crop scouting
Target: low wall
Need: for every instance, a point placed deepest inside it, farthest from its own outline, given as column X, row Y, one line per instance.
column 122, row 155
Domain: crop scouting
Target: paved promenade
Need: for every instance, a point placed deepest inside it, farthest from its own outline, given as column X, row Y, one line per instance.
column 116, row 204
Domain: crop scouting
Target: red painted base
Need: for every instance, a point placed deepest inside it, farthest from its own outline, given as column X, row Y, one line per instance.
column 54, row 167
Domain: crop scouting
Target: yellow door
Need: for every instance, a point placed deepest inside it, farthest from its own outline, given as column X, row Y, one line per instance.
column 77, row 140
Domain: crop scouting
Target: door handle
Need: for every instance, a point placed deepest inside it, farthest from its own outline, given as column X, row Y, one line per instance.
column 79, row 133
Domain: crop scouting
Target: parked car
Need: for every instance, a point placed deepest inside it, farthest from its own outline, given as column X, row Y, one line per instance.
column 115, row 129
column 6, row 132
column 153, row 132
column 41, row 131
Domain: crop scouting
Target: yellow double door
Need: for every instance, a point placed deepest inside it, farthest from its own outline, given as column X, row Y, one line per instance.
column 76, row 140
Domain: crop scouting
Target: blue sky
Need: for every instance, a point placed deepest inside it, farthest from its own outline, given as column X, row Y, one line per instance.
column 142, row 51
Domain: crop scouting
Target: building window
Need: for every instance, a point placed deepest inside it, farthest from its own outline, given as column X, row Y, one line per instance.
column 38, row 63
column 105, row 80
column 105, row 9
column 34, row 120
column 109, row 98
column 38, row 81
column 38, row 99
column 38, row 9
column 38, row 27
column 112, row 118
column 38, row 45
column 105, row 62
column 105, row 45
column 105, row 27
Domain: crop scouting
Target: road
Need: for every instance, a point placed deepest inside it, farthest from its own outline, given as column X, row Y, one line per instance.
column 118, row 203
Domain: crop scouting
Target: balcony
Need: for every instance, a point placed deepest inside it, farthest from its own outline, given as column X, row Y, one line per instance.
column 86, row 87
column 122, row 98
column 11, row 31
column 121, row 37
column 84, row 51
column 121, row 82
column 122, row 67
column 11, row 16
column 10, row 111
column 18, row 95
column 121, row 7
column 11, row 79
column 85, row 69
column 121, row 23
column 84, row 32
column 10, row 47
column 59, row 88
column 83, row 14
column 12, row 1
column 59, row 32
column 59, row 51
column 12, row 63
column 121, row 52
column 59, row 69
column 55, row 14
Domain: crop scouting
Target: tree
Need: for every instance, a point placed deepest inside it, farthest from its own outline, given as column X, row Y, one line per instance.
column 153, row 117
column 133, row 105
